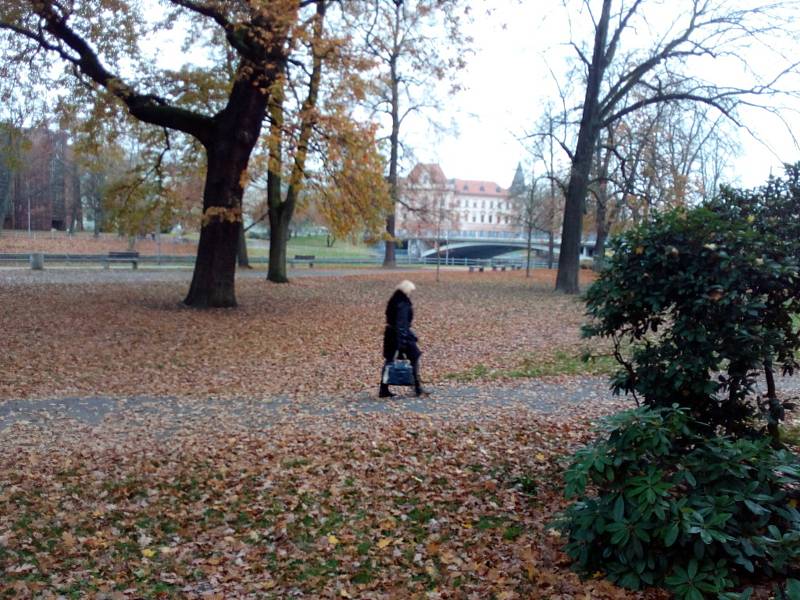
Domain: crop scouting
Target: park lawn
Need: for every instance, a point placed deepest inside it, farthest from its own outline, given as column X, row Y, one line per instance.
column 312, row 338
column 314, row 245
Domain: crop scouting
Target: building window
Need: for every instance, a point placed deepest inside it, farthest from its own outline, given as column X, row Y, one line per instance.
column 482, row 217
column 490, row 218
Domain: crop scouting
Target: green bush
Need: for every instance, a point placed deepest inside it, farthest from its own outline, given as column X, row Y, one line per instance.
column 700, row 302
column 660, row 504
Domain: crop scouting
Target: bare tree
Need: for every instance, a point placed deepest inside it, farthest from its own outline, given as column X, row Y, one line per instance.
column 416, row 44
column 552, row 130
column 534, row 207
column 694, row 30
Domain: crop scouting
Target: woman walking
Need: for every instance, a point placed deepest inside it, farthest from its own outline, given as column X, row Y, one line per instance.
column 398, row 338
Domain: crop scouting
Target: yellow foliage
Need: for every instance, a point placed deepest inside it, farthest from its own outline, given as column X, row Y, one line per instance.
column 222, row 214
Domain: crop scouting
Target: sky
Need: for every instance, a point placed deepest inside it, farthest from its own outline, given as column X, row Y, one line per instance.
column 507, row 81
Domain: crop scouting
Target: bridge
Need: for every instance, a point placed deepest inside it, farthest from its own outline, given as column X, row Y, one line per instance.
column 482, row 244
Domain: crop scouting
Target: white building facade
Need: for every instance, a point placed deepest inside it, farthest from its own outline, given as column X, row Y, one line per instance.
column 433, row 206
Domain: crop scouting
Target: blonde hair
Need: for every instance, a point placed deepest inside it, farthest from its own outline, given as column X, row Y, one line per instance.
column 406, row 287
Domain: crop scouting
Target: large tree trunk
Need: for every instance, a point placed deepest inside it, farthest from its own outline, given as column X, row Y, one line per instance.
column 215, row 267
column 228, row 151
column 568, row 258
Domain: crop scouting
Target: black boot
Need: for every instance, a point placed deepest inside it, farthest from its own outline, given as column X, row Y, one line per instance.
column 418, row 389
column 384, row 392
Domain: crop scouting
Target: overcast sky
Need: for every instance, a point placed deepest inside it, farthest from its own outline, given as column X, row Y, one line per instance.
column 507, row 81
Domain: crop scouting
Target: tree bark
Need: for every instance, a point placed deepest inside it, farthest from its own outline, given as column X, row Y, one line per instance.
column 241, row 250
column 389, row 260
column 5, row 192
column 528, row 263
column 568, row 258
column 279, row 218
column 228, row 154
column 601, row 232
column 281, row 210
column 600, row 248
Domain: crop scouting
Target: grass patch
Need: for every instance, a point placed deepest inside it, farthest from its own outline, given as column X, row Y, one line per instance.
column 314, row 245
column 532, row 367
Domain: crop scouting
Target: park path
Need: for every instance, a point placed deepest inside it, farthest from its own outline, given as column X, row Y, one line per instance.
column 81, row 275
column 563, row 398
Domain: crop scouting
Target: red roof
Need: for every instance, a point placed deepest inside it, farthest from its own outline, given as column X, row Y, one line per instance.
column 479, row 188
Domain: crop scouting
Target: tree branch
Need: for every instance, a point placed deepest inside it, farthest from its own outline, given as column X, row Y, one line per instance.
column 232, row 33
column 145, row 107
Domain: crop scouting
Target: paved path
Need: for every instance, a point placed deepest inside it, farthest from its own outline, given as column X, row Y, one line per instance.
column 572, row 397
column 83, row 275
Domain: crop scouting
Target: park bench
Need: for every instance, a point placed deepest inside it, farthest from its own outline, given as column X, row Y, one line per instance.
column 473, row 268
column 131, row 257
column 309, row 258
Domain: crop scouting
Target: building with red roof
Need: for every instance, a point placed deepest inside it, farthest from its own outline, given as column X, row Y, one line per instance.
column 430, row 204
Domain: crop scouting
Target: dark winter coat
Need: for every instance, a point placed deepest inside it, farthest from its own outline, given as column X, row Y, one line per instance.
column 398, row 335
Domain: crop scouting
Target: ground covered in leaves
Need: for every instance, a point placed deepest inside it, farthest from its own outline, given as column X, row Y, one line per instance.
column 85, row 243
column 391, row 506
column 121, row 333
column 294, row 501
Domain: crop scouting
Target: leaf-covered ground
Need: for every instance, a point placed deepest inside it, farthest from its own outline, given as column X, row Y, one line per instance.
column 391, row 506
column 86, row 243
column 239, row 502
column 104, row 335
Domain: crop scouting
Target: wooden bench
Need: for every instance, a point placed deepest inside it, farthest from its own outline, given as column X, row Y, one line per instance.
column 473, row 268
column 309, row 258
column 131, row 257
